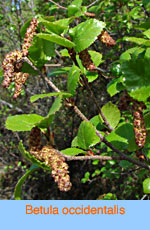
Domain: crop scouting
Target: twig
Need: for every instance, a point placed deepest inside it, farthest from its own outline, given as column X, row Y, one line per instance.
column 96, row 103
column 81, row 115
column 92, row 4
column 10, row 106
column 61, row 7
column 82, row 158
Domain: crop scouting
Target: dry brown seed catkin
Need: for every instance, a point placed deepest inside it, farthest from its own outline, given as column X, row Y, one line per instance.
column 86, row 60
column 139, row 124
column 31, row 31
column 105, row 38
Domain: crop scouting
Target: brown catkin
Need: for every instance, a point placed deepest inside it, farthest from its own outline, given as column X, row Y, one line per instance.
column 105, row 38
column 51, row 158
column 86, row 60
column 31, row 31
column 8, row 66
column 138, row 123
column 11, row 68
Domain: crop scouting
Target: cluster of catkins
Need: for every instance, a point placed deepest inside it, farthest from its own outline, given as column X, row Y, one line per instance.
column 85, row 57
column 51, row 158
column 12, row 63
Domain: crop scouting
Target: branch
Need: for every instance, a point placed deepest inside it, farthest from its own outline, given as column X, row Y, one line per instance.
column 81, row 115
column 59, row 6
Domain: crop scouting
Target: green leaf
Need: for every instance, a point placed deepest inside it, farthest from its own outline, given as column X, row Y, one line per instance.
column 97, row 122
column 56, row 39
column 147, row 120
column 91, row 76
column 64, row 53
column 24, row 122
column 46, row 121
column 84, row 34
column 40, row 96
column 139, row 41
column 136, row 77
column 112, row 87
column 121, row 136
column 56, row 105
column 59, row 71
column 32, row 158
column 74, row 142
column 110, row 196
column 132, row 146
column 96, row 57
column 24, row 27
column 41, row 51
column 53, row 27
column 125, row 164
column 144, row 26
column 146, row 186
column 74, row 7
column 112, row 114
column 146, row 3
column 125, row 56
column 72, row 151
column 26, row 68
column 65, row 21
column 18, row 188
column 87, row 135
column 147, row 33
column 73, row 79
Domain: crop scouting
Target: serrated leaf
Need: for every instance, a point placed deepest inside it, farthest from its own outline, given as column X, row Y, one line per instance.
column 73, row 79
column 46, row 121
column 53, row 27
column 146, row 186
column 97, row 122
column 24, row 27
column 84, row 34
column 72, row 151
column 59, row 71
column 18, row 188
column 121, row 136
column 74, row 142
column 40, row 96
column 41, row 51
column 111, row 113
column 91, row 76
column 112, row 87
column 56, row 39
column 56, row 105
column 24, row 122
column 65, row 21
column 96, row 57
column 74, row 7
column 136, row 77
column 139, row 41
column 87, row 135
column 125, row 56
column 32, row 158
